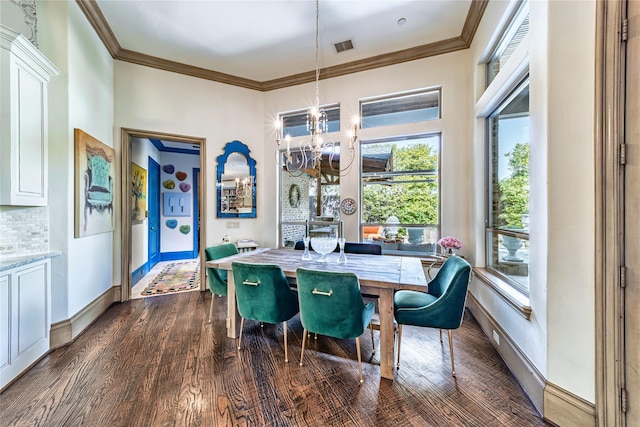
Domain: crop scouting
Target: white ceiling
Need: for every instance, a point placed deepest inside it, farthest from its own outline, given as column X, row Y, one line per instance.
column 268, row 39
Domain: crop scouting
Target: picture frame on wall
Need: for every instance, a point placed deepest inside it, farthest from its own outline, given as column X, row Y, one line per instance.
column 138, row 193
column 94, row 177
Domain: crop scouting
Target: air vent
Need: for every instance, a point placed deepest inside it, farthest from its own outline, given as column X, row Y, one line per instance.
column 342, row 46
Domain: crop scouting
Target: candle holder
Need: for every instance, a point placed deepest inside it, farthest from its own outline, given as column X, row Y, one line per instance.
column 342, row 258
column 306, row 256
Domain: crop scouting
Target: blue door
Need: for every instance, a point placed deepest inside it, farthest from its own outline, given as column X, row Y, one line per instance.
column 196, row 212
column 154, row 213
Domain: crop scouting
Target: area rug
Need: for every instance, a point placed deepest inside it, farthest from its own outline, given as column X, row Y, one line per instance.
column 175, row 277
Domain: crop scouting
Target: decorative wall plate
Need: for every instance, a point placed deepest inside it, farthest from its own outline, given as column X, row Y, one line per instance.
column 348, row 206
column 294, row 196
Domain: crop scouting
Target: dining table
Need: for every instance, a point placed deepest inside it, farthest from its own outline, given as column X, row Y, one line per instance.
column 379, row 275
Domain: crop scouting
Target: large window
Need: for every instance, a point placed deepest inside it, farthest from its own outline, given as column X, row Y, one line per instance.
column 401, row 193
column 507, row 234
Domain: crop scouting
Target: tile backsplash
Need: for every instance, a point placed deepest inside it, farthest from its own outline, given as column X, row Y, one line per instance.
column 23, row 230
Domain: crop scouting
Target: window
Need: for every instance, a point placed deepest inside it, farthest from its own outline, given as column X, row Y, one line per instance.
column 400, row 109
column 509, row 42
column 309, row 195
column 296, row 123
column 401, row 193
column 507, row 233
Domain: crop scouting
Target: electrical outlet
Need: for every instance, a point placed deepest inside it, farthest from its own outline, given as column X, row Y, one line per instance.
column 7, row 249
column 496, row 337
column 233, row 225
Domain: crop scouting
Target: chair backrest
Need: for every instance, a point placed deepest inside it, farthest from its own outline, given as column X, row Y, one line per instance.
column 450, row 288
column 362, row 248
column 350, row 247
column 263, row 292
column 217, row 276
column 330, row 303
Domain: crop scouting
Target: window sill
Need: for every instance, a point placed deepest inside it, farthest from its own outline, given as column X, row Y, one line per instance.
column 519, row 302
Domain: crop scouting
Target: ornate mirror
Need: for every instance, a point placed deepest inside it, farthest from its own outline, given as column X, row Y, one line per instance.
column 236, row 182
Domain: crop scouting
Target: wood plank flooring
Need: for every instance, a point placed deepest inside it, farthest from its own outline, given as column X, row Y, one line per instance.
column 157, row 362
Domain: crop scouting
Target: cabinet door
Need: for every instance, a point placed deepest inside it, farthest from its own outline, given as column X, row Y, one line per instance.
column 30, row 297
column 5, row 323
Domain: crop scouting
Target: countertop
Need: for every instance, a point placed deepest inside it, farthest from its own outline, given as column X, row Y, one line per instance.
column 13, row 262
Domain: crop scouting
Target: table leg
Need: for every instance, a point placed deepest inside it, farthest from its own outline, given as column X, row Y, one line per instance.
column 387, row 337
column 233, row 317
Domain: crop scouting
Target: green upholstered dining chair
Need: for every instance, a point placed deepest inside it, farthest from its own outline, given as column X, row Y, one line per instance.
column 441, row 307
column 331, row 304
column 217, row 276
column 263, row 294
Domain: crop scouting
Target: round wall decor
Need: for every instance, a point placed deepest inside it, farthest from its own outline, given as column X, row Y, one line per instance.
column 294, row 196
column 348, row 206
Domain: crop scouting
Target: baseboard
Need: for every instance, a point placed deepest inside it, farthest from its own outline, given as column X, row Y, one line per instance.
column 65, row 331
column 176, row 256
column 521, row 367
column 556, row 405
column 139, row 273
column 566, row 409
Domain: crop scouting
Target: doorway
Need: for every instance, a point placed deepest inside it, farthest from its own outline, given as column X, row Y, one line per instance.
column 127, row 135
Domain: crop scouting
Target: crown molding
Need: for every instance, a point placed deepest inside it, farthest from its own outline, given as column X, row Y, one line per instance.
column 97, row 20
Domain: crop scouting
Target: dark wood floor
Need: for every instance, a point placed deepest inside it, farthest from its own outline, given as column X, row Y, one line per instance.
column 157, row 362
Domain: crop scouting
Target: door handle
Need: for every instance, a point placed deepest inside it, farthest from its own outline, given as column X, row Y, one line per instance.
column 153, row 228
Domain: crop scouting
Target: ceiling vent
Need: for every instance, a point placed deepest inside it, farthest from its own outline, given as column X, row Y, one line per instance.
column 342, row 46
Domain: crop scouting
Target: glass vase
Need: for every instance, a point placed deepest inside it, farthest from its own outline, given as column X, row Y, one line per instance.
column 306, row 256
column 342, row 258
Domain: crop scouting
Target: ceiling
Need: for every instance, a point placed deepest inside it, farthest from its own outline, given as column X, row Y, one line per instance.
column 268, row 44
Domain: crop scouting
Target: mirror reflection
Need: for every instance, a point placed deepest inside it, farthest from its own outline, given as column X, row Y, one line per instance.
column 236, row 182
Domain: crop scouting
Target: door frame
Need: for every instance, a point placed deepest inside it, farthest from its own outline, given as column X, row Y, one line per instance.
column 157, row 209
column 609, row 216
column 125, row 178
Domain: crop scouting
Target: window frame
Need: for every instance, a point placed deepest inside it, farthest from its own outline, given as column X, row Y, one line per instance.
column 492, row 231
column 437, row 173
column 396, row 97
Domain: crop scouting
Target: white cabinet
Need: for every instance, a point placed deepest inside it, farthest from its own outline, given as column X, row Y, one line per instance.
column 25, row 317
column 23, row 125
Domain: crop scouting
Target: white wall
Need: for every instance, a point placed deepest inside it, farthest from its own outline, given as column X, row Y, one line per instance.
column 559, row 337
column 449, row 71
column 172, row 240
column 154, row 100
column 81, row 97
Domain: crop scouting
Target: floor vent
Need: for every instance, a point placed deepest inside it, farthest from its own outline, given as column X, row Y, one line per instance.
column 342, row 46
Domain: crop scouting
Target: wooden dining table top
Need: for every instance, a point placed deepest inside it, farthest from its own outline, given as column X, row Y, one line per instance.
column 378, row 271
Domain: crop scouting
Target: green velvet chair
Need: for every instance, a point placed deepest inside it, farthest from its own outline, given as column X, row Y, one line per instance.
column 331, row 304
column 217, row 276
column 263, row 294
column 441, row 307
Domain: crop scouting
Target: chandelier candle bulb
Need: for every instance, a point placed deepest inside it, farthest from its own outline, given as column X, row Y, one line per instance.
column 306, row 228
column 341, row 230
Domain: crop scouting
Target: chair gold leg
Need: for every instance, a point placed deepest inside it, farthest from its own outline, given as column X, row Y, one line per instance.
column 453, row 369
column 399, row 342
column 373, row 343
column 211, row 308
column 440, row 335
column 304, row 340
column 359, row 359
column 286, row 354
column 241, row 328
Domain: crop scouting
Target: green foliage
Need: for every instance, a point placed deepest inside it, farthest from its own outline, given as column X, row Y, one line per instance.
column 412, row 203
column 514, row 190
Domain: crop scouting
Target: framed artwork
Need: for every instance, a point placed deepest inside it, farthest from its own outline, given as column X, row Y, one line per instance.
column 138, row 193
column 94, row 185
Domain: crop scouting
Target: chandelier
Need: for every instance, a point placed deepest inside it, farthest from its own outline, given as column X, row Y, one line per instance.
column 315, row 153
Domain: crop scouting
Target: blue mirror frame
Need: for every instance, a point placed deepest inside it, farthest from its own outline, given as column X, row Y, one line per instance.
column 229, row 148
